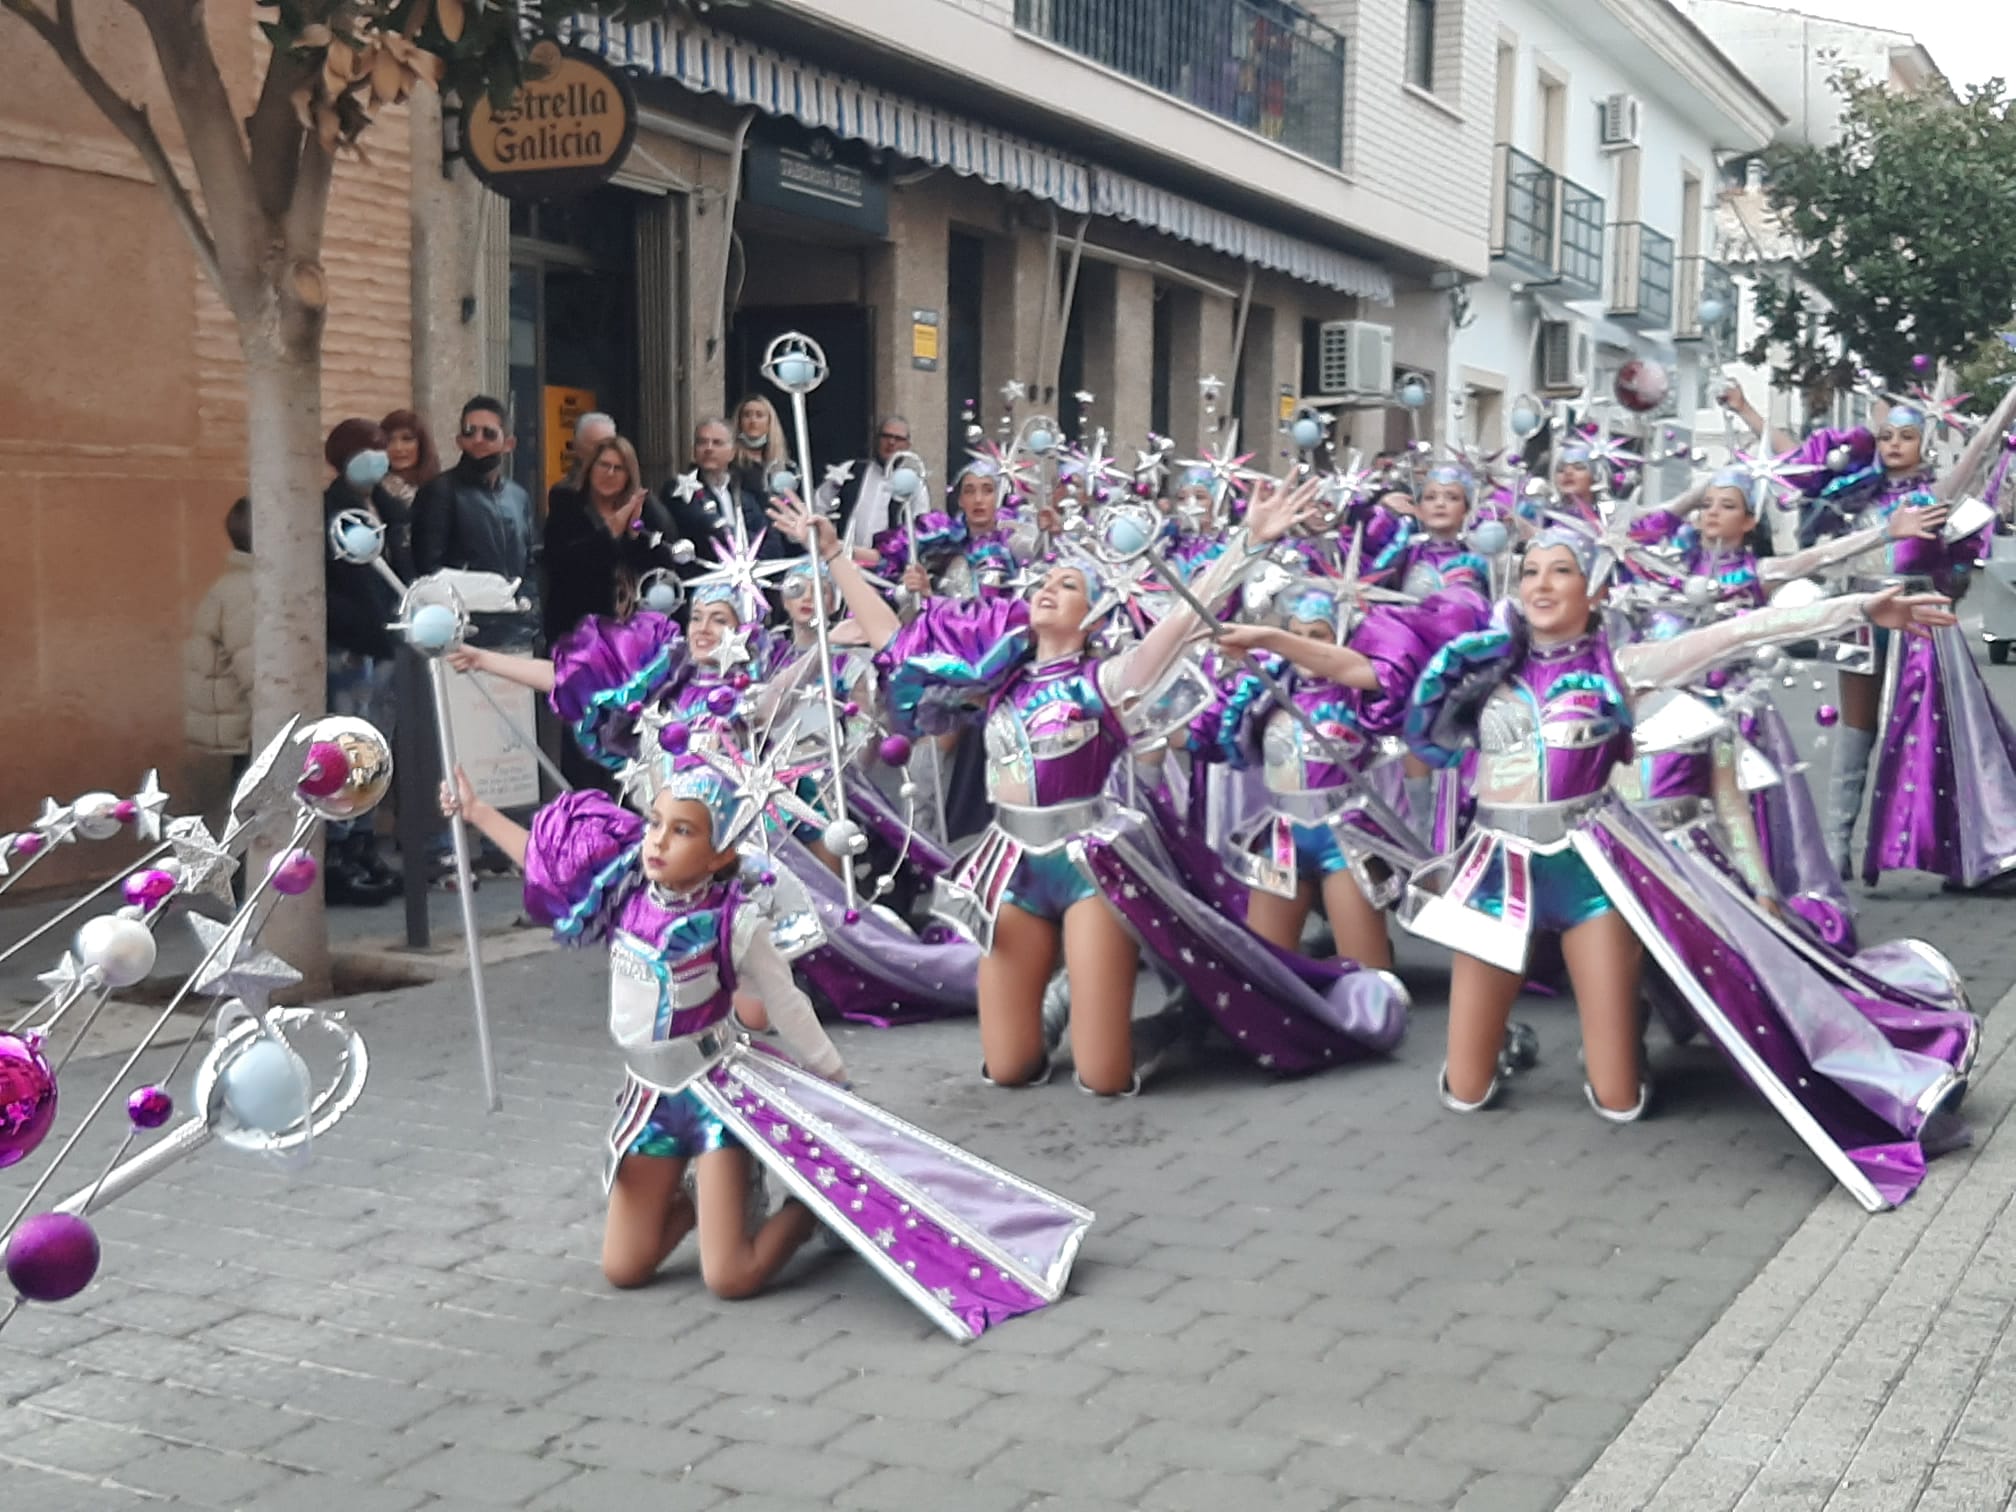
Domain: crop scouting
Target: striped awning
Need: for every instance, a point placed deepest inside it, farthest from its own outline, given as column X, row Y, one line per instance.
column 742, row 72
column 1129, row 199
column 746, row 73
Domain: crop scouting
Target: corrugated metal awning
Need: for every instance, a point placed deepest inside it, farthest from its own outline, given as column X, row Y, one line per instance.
column 1129, row 199
column 745, row 73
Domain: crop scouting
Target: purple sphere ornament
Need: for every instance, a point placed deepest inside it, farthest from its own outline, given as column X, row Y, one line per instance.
column 851, row 709
column 27, row 1097
column 851, row 916
column 1827, row 716
column 675, row 738
column 1921, row 363
column 739, row 681
column 634, row 707
column 722, row 701
column 27, row 845
column 294, row 873
column 148, row 889
column 1718, row 677
column 149, row 1107
column 895, row 750
column 325, row 770
column 52, row 1257
column 125, row 811
column 768, row 879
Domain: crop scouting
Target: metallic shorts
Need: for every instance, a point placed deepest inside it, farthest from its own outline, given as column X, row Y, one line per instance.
column 1317, row 853
column 1047, row 885
column 681, row 1127
column 1565, row 891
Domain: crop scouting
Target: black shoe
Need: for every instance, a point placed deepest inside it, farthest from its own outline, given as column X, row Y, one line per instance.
column 2000, row 885
column 374, row 868
column 347, row 885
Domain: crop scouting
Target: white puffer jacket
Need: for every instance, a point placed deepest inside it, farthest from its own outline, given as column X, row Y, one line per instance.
column 217, row 664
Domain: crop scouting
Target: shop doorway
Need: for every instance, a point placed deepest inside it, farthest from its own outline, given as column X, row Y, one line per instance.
column 837, row 413
column 573, row 326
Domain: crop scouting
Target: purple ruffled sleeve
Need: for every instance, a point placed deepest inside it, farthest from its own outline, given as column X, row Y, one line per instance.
column 1390, row 637
column 1808, row 460
column 604, row 666
column 948, row 662
column 581, row 854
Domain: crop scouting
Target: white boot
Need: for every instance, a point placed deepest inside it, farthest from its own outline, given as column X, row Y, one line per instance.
column 1844, row 792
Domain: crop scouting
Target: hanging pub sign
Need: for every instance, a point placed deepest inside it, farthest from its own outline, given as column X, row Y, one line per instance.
column 567, row 129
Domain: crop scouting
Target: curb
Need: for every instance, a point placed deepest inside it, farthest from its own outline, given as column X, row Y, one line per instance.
column 1838, row 1376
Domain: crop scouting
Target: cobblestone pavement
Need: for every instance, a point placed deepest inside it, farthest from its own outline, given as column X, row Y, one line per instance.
column 1318, row 1294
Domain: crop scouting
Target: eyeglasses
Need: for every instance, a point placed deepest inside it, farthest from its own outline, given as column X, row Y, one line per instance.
column 483, row 432
column 892, row 436
column 612, row 466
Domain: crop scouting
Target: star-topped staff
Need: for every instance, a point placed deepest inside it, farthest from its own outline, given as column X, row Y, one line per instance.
column 1770, row 475
column 796, row 364
column 1939, row 413
column 237, row 968
column 1226, row 466
column 740, row 567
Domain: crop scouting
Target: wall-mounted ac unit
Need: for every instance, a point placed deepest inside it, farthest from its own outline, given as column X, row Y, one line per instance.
column 1620, row 121
column 1564, row 356
column 1353, row 357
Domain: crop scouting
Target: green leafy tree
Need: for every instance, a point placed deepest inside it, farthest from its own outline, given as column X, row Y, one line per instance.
column 1902, row 224
column 254, row 208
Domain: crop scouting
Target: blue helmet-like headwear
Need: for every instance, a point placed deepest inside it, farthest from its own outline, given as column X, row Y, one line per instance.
column 1740, row 480
column 1905, row 417
column 1589, row 552
column 688, row 777
column 719, row 593
column 1452, row 472
column 1311, row 604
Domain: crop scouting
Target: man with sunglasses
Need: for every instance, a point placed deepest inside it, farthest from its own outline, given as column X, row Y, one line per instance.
column 473, row 517
column 861, row 506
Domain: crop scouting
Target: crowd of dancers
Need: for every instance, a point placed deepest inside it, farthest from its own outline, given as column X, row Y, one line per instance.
column 1084, row 753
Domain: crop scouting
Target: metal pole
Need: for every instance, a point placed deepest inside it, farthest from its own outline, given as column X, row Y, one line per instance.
column 459, row 835
column 414, row 762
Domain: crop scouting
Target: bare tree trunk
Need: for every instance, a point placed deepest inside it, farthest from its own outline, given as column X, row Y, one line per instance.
column 284, row 424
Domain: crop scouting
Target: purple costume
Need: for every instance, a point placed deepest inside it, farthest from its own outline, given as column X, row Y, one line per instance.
column 967, row 1243
column 1863, row 1071
column 1053, row 738
column 1945, row 783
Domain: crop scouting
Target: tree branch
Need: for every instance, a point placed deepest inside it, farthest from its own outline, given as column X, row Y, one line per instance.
column 131, row 121
column 309, row 212
column 274, row 133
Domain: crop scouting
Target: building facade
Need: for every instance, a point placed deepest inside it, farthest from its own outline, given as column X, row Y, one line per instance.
column 1611, row 119
column 1797, row 57
column 1172, row 208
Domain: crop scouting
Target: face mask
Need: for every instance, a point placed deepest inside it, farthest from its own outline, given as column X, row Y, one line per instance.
column 753, row 442
column 367, row 469
column 485, row 465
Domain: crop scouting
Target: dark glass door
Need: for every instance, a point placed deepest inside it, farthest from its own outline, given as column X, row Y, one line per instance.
column 837, row 412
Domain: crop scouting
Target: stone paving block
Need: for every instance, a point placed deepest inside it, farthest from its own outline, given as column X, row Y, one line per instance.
column 46, row 1491
column 611, row 1490
column 648, row 1450
column 1236, row 1451
column 890, row 1441
column 495, row 1477
column 1077, row 1504
column 1208, row 1491
column 77, row 1447
column 1006, row 1374
column 1318, row 1420
column 1490, row 1446
column 327, row 1493
column 762, row 1469
column 1457, row 1401
column 1094, row 1424
column 1184, row 1355
column 907, row 1489
column 1105, row 1477
column 872, row 1394
column 1354, row 1473
column 204, row 1476
column 344, row 1449
column 1508, row 1491
column 768, row 1420
column 141, row 1356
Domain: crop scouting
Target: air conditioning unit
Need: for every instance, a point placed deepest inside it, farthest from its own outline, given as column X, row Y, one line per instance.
column 1353, row 357
column 1620, row 121
column 1564, row 356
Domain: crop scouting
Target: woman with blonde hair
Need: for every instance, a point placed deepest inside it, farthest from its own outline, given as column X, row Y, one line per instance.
column 760, row 444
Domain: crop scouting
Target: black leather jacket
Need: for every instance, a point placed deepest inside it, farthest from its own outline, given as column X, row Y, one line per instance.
column 481, row 524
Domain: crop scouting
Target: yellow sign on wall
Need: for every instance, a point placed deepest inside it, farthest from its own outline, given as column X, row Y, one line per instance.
column 923, row 343
column 564, row 407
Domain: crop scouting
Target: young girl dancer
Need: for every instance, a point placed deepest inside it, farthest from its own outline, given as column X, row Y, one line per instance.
column 691, row 958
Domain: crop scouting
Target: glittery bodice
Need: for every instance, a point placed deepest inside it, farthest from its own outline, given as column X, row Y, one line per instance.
column 1294, row 760
column 1050, row 737
column 1555, row 728
column 669, row 962
column 1431, row 566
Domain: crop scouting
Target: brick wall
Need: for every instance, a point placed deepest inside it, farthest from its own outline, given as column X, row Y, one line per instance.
column 122, row 411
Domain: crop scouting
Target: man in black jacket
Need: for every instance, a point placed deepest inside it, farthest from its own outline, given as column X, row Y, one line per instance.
column 703, row 500
column 472, row 517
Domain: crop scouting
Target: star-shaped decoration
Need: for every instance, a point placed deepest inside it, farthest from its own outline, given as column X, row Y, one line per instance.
column 839, row 473
column 1013, row 390
column 1611, row 451
column 253, row 786
column 1082, row 397
column 1940, row 412
column 733, row 650
column 740, row 566
column 687, row 485
column 64, row 980
column 1770, row 475
column 236, row 968
column 206, row 866
column 149, row 802
column 767, row 785
column 57, row 824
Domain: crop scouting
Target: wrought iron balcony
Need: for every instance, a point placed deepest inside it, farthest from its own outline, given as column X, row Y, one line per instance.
column 1706, row 283
column 1264, row 65
column 1548, row 227
column 1641, row 276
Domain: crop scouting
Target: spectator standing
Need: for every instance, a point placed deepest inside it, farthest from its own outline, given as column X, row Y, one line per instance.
column 217, row 657
column 474, row 518
column 862, row 507
column 590, row 431
column 760, row 445
column 722, row 491
column 362, row 653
